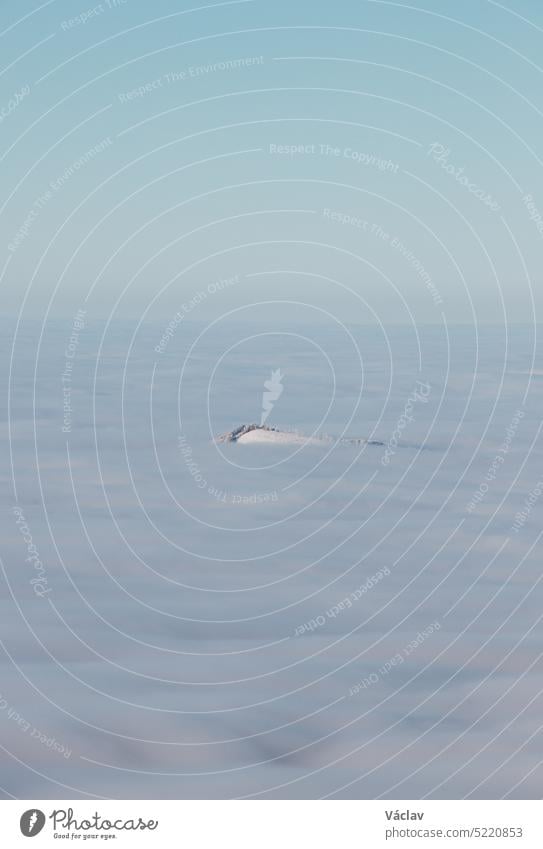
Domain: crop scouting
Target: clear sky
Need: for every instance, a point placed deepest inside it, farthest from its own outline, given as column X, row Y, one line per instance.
column 377, row 160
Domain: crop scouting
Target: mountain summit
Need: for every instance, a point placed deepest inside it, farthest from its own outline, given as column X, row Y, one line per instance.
column 254, row 433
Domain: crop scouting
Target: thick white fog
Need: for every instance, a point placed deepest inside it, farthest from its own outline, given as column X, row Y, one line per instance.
column 186, row 618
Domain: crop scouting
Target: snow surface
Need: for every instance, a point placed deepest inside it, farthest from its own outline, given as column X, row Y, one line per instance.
column 271, row 437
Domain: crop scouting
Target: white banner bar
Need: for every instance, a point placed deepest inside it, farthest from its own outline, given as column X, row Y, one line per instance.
column 274, row 824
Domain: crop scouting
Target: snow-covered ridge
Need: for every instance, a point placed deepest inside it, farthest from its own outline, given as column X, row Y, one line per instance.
column 252, row 434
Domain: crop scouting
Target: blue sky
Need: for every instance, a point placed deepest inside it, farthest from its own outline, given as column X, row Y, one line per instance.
column 287, row 144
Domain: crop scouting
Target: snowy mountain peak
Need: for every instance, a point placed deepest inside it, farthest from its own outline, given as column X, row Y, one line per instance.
column 254, row 433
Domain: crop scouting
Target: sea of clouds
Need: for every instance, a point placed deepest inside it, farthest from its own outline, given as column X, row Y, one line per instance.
column 270, row 621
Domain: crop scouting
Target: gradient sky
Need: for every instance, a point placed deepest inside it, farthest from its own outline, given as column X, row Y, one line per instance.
column 187, row 191
column 265, row 172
